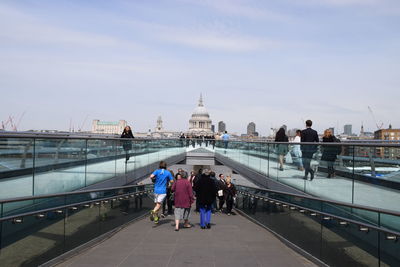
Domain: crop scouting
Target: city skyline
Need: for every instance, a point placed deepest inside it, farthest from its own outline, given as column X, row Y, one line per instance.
column 270, row 62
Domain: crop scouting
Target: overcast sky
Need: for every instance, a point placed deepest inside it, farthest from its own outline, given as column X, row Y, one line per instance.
column 273, row 62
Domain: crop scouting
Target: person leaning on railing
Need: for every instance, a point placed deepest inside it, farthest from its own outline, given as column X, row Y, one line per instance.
column 127, row 145
column 281, row 149
column 329, row 153
column 229, row 194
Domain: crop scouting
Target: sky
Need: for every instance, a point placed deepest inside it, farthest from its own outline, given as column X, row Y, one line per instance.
column 272, row 62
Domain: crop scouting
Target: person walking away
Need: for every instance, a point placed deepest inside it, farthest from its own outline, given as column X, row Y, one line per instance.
column 229, row 194
column 214, row 204
column 281, row 149
column 195, row 180
column 127, row 145
column 308, row 135
column 205, row 192
column 168, row 202
column 160, row 177
column 225, row 139
column 220, row 191
column 183, row 200
column 296, row 151
column 329, row 153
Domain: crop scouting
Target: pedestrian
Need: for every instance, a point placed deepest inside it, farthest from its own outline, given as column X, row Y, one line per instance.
column 168, row 201
column 329, row 153
column 281, row 149
column 183, row 199
column 205, row 192
column 127, row 145
column 310, row 136
column 229, row 194
column 195, row 180
column 214, row 204
column 220, row 191
column 225, row 138
column 160, row 178
column 296, row 151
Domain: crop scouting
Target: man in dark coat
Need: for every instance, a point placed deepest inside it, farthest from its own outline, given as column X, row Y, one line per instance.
column 205, row 194
column 308, row 135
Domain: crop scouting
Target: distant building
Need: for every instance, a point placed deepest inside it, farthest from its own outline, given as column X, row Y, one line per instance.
column 221, row 127
column 108, row 127
column 251, row 128
column 200, row 122
column 159, row 127
column 388, row 135
column 348, row 129
column 213, row 128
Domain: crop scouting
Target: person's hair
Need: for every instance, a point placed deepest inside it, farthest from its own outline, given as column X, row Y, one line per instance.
column 308, row 123
column 212, row 174
column 221, row 174
column 200, row 171
column 298, row 131
column 327, row 133
column 280, row 135
column 206, row 171
column 129, row 129
column 228, row 179
column 178, row 174
column 163, row 165
column 226, row 131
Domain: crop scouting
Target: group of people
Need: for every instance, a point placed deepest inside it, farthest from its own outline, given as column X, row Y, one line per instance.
column 304, row 153
column 182, row 191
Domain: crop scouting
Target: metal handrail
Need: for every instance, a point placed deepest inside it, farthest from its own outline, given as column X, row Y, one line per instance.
column 380, row 229
column 8, row 200
column 355, row 206
column 372, row 143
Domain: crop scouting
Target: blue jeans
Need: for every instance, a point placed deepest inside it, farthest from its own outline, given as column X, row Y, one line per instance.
column 205, row 215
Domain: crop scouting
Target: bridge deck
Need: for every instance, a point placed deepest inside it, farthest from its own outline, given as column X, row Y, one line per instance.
column 231, row 241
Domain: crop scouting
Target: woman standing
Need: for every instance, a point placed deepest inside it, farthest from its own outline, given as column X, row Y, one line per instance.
column 183, row 199
column 229, row 194
column 127, row 145
column 329, row 153
column 282, row 149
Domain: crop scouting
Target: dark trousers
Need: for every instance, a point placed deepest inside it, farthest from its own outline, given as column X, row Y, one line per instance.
column 331, row 169
column 167, row 202
column 205, row 215
column 229, row 205
column 307, row 156
column 221, row 202
column 127, row 156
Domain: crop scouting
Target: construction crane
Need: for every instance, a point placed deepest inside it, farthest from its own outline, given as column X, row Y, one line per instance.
column 378, row 126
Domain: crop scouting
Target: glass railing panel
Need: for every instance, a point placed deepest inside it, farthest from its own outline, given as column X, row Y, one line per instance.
column 82, row 224
column 389, row 250
column 16, row 167
column 101, row 163
column 33, row 240
column 347, row 245
column 24, row 206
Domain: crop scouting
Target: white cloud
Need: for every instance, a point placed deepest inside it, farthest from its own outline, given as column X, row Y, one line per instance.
column 23, row 28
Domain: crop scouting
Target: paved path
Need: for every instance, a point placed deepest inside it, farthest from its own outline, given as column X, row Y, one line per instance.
column 231, row 241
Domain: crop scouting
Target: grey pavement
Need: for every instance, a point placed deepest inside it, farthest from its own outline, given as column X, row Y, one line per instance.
column 231, row 241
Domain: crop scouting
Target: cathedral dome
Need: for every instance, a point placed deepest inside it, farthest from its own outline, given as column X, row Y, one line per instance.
column 200, row 122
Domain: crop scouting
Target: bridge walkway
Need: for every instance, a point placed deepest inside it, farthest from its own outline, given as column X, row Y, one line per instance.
column 231, row 241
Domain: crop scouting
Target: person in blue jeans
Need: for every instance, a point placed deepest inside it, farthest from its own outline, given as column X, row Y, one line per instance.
column 160, row 178
column 206, row 190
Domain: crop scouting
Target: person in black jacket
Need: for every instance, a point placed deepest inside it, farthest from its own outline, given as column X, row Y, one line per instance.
column 281, row 149
column 329, row 153
column 229, row 194
column 310, row 136
column 127, row 145
column 205, row 193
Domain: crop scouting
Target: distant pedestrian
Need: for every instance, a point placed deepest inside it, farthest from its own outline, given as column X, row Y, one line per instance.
column 195, row 180
column 127, row 145
column 160, row 178
column 225, row 139
column 205, row 192
column 221, row 184
column 296, row 151
column 183, row 199
column 281, row 149
column 310, row 136
column 329, row 153
column 214, row 205
column 229, row 194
